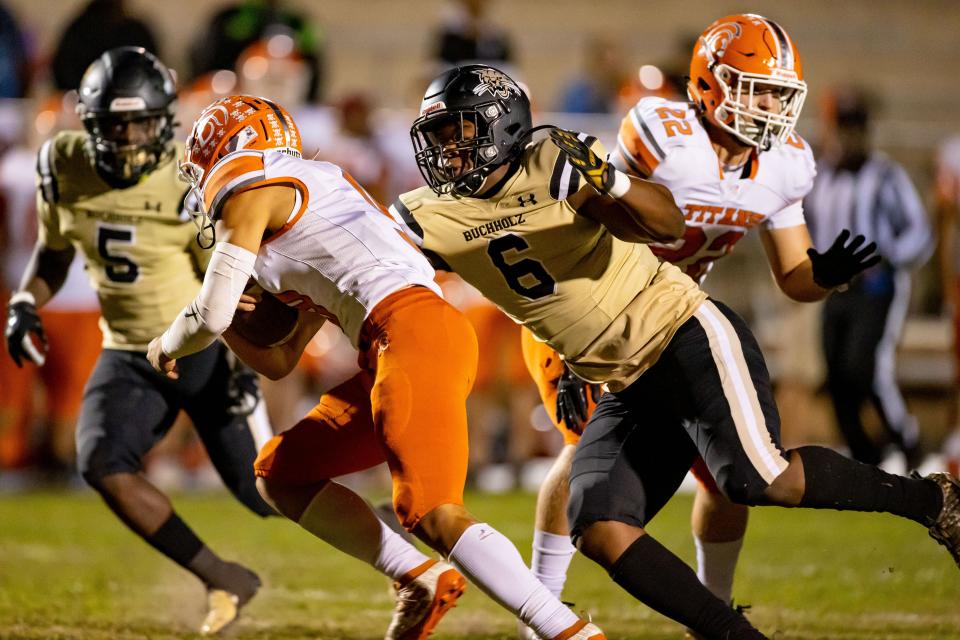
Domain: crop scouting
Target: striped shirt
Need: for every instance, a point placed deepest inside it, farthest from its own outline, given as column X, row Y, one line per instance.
column 879, row 201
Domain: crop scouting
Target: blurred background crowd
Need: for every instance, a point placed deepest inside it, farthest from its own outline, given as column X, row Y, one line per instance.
column 880, row 81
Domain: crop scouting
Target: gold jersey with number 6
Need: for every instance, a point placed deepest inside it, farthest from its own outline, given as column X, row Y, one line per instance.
column 609, row 306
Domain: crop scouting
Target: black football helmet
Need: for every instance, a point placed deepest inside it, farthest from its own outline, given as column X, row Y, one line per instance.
column 496, row 114
column 126, row 105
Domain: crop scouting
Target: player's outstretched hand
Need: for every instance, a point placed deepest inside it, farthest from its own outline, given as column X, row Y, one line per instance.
column 572, row 404
column 841, row 262
column 23, row 324
column 160, row 361
column 595, row 169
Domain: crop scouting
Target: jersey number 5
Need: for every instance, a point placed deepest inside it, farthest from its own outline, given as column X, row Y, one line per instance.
column 539, row 283
column 118, row 267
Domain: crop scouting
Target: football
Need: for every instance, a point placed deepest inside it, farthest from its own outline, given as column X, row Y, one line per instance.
column 270, row 324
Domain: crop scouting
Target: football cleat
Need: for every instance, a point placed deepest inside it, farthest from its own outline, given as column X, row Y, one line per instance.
column 423, row 599
column 946, row 530
column 223, row 607
column 583, row 630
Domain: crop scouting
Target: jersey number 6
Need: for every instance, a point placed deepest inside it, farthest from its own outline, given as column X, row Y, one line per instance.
column 540, row 283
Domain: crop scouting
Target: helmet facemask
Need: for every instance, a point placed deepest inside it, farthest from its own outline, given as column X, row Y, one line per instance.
column 457, row 150
column 192, row 174
column 129, row 145
column 753, row 126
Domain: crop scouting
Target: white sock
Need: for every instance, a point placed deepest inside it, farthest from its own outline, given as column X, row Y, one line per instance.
column 397, row 557
column 716, row 563
column 552, row 554
column 491, row 562
column 344, row 520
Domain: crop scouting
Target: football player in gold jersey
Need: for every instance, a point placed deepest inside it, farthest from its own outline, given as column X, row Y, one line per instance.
column 112, row 195
column 550, row 232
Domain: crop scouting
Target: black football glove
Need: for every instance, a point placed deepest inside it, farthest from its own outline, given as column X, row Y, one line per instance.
column 841, row 262
column 595, row 169
column 22, row 321
column 572, row 407
column 243, row 387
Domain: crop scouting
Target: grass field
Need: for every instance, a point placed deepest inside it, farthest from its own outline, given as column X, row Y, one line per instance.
column 70, row 570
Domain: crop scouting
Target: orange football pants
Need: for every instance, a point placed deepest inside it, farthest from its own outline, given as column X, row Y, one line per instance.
column 406, row 407
column 497, row 334
column 546, row 367
column 74, row 340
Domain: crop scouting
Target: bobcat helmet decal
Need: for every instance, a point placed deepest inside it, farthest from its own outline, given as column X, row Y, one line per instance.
column 496, row 83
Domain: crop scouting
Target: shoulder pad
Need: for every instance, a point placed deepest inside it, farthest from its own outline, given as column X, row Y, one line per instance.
column 65, row 168
column 401, row 209
column 797, row 168
column 402, row 212
column 233, row 174
column 651, row 129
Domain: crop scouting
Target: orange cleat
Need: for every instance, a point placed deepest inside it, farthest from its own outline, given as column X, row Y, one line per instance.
column 423, row 597
column 582, row 630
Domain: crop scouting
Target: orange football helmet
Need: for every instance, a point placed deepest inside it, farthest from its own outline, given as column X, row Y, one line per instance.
column 735, row 59
column 231, row 124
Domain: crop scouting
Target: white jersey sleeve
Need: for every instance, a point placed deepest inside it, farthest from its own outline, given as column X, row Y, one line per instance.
column 794, row 169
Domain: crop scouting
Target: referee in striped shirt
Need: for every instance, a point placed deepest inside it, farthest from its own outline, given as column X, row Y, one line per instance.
column 863, row 190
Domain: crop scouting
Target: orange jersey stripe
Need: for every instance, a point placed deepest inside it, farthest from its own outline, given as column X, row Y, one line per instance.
column 230, row 173
column 634, row 151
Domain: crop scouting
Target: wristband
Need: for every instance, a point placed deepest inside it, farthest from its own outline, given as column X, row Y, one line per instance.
column 621, row 184
column 22, row 296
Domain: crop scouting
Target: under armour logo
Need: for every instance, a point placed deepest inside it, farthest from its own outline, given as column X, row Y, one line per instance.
column 530, row 199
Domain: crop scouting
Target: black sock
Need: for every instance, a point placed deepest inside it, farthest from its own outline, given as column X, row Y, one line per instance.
column 835, row 482
column 653, row 575
column 177, row 541
column 221, row 574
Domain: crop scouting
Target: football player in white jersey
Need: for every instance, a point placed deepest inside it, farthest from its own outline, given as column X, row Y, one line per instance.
column 310, row 235
column 731, row 159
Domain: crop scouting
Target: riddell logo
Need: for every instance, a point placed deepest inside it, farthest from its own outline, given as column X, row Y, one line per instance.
column 430, row 108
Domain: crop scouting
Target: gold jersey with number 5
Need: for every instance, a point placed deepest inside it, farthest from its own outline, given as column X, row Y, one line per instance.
column 138, row 243
column 609, row 306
